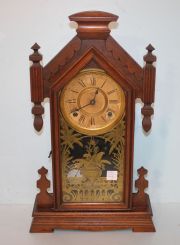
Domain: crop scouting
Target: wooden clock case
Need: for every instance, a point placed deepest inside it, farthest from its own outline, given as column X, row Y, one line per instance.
column 92, row 47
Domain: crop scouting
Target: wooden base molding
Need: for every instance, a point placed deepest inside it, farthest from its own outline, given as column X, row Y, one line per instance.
column 139, row 219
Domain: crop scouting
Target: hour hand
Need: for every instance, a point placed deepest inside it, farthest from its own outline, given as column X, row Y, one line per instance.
column 96, row 93
column 93, row 101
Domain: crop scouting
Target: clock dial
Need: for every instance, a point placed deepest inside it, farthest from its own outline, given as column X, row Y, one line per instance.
column 92, row 102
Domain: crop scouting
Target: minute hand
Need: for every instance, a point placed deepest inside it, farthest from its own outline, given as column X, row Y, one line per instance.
column 83, row 106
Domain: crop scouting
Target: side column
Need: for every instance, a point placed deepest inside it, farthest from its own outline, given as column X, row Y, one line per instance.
column 37, row 93
column 149, row 72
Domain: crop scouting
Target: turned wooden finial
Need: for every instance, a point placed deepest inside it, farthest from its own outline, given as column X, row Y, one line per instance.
column 36, row 57
column 149, row 72
column 149, row 58
column 37, row 93
column 93, row 24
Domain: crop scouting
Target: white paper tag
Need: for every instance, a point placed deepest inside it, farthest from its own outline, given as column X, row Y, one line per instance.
column 111, row 175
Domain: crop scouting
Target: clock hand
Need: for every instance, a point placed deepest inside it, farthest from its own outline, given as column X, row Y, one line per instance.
column 95, row 94
column 92, row 102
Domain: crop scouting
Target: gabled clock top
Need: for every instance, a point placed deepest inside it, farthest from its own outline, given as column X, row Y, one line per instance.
column 94, row 27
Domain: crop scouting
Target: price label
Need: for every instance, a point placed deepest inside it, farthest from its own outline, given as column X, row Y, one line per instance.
column 111, row 175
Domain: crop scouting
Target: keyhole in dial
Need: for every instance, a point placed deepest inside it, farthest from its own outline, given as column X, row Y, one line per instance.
column 75, row 114
column 110, row 113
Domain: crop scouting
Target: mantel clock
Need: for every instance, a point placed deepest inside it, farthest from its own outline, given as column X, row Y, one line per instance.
column 92, row 84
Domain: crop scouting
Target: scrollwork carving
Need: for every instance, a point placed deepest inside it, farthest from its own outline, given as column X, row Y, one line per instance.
column 140, row 198
column 127, row 64
column 61, row 59
column 44, row 199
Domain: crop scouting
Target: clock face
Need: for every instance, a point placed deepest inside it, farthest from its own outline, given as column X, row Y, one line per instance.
column 92, row 102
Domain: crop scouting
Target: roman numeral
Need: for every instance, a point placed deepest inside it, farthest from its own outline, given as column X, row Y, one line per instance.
column 112, row 91
column 103, row 84
column 82, row 83
column 74, row 91
column 92, row 120
column 81, row 119
column 113, row 101
column 103, row 118
column 71, row 101
column 93, row 81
